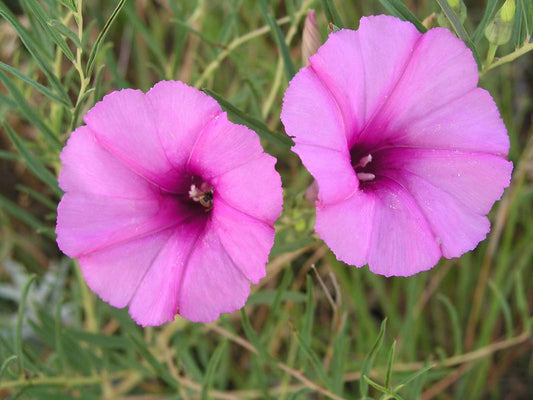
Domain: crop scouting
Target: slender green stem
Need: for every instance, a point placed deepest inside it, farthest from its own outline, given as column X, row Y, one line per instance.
column 509, row 57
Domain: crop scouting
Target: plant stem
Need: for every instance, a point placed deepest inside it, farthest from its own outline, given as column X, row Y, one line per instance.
column 509, row 57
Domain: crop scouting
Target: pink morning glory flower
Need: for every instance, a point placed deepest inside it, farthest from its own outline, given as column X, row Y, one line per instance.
column 408, row 153
column 169, row 207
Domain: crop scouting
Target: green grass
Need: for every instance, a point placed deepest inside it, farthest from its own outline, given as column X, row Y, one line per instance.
column 314, row 327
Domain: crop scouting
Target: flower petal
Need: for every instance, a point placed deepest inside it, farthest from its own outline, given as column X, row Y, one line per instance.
column 115, row 273
column 223, row 146
column 456, row 227
column 402, row 242
column 180, row 113
column 440, row 70
column 212, row 284
column 477, row 180
column 470, row 123
column 346, row 227
column 253, row 189
column 311, row 115
column 90, row 168
column 246, row 240
column 332, row 171
column 157, row 296
column 361, row 68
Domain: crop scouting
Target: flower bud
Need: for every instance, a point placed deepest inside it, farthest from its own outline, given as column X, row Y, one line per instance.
column 459, row 8
column 499, row 31
column 311, row 37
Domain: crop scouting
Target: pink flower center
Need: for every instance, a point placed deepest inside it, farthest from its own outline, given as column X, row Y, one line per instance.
column 202, row 194
column 363, row 168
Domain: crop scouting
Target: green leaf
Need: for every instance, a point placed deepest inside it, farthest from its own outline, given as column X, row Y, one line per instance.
column 412, row 378
column 211, row 370
column 43, row 89
column 43, row 20
column 523, row 22
column 390, row 362
column 313, row 358
column 459, row 28
column 400, row 10
column 101, row 37
column 38, row 196
column 332, row 14
column 290, row 71
column 506, row 309
column 252, row 336
column 63, row 30
column 5, row 365
column 490, row 10
column 33, row 163
column 20, row 319
column 25, row 217
column 456, row 325
column 29, row 112
column 369, row 359
column 242, row 118
column 158, row 368
column 34, row 49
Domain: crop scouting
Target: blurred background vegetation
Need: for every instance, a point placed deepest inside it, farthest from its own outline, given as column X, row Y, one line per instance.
column 314, row 328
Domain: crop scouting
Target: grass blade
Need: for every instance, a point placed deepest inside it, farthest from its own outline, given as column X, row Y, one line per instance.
column 43, row 89
column 101, row 37
column 490, row 10
column 290, row 71
column 332, row 14
column 34, row 49
column 369, row 359
column 43, row 20
column 20, row 318
column 400, row 10
column 25, row 217
column 456, row 326
column 211, row 369
column 5, row 364
column 33, row 163
column 29, row 113
column 252, row 123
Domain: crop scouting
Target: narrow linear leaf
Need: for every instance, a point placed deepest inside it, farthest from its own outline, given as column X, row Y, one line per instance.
column 38, row 196
column 412, row 377
column 34, row 49
column 33, row 163
column 459, row 28
column 313, row 359
column 456, row 326
column 490, row 10
column 43, row 20
column 63, row 30
column 252, row 123
column 101, row 37
column 20, row 318
column 400, row 10
column 288, row 65
column 332, row 14
column 523, row 23
column 390, row 362
column 506, row 309
column 29, row 112
column 212, row 368
column 43, row 89
column 5, row 364
column 370, row 357
column 69, row 4
column 252, row 336
column 25, row 217
column 157, row 367
column 375, row 385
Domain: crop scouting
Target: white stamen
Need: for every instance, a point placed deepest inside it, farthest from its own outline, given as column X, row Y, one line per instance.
column 365, row 176
column 363, row 162
column 194, row 193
